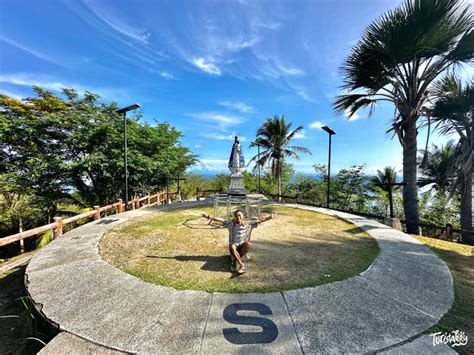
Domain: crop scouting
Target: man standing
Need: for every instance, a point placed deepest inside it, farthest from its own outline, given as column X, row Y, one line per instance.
column 239, row 237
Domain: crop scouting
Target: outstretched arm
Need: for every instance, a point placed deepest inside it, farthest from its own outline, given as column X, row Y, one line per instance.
column 272, row 215
column 209, row 217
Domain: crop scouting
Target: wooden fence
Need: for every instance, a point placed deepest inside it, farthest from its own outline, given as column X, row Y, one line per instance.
column 57, row 226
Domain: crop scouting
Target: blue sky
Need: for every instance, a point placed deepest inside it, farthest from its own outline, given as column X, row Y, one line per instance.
column 209, row 68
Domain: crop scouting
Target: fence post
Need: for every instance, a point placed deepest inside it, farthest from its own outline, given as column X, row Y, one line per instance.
column 97, row 213
column 58, row 230
column 197, row 193
column 137, row 203
column 22, row 242
column 120, row 206
column 148, row 199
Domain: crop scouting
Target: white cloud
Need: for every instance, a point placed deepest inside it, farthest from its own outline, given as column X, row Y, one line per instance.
column 222, row 137
column 240, row 106
column 198, row 146
column 316, row 125
column 209, row 68
column 43, row 82
column 10, row 94
column 26, row 80
column 31, row 51
column 354, row 117
column 237, row 45
column 167, row 75
column 117, row 24
column 212, row 165
column 300, row 135
column 290, row 71
column 304, row 95
column 223, row 119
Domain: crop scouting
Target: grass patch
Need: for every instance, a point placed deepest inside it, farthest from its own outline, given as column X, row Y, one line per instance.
column 459, row 259
column 15, row 258
column 181, row 250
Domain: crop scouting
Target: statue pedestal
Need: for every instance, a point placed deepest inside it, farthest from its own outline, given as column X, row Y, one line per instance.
column 236, row 186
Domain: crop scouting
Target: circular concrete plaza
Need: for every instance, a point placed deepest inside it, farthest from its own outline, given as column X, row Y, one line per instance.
column 386, row 308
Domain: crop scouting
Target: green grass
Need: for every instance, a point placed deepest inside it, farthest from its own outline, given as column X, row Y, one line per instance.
column 460, row 261
column 297, row 249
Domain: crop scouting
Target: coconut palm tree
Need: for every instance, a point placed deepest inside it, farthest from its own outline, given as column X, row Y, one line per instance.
column 386, row 176
column 452, row 113
column 440, row 168
column 383, row 181
column 274, row 136
column 399, row 56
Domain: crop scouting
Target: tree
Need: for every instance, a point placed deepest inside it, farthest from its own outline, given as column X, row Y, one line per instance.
column 274, row 136
column 381, row 185
column 348, row 188
column 452, row 113
column 400, row 55
column 72, row 148
column 439, row 169
column 384, row 177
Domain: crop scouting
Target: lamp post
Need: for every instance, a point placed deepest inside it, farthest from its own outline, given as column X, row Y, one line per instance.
column 330, row 132
column 124, row 111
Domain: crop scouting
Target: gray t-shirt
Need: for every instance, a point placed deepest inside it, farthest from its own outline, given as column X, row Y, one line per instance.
column 239, row 234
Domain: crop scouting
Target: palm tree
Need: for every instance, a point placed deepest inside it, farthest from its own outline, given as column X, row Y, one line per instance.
column 384, row 177
column 274, row 137
column 439, row 169
column 452, row 113
column 400, row 55
column 384, row 180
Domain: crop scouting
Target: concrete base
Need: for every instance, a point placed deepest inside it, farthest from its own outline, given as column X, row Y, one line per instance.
column 402, row 294
column 393, row 222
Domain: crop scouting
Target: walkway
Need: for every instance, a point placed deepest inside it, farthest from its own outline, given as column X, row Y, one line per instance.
column 403, row 293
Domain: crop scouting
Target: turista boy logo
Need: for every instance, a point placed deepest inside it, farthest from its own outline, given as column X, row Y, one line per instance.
column 454, row 338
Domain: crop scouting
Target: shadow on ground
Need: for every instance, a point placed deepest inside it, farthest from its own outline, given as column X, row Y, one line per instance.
column 20, row 323
column 211, row 263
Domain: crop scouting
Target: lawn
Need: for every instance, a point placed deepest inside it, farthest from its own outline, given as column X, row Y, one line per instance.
column 460, row 261
column 297, row 249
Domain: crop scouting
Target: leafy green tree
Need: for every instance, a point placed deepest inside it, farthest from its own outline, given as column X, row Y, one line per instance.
column 275, row 136
column 400, row 55
column 305, row 188
column 72, row 149
column 452, row 113
column 32, row 136
column 349, row 189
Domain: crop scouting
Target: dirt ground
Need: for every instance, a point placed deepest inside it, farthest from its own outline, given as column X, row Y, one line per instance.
column 296, row 249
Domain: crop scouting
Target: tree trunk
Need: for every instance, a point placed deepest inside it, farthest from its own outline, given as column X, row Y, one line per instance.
column 466, row 205
column 467, row 182
column 279, row 179
column 410, row 190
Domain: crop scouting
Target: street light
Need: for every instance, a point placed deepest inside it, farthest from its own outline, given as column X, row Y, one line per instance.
column 124, row 111
column 330, row 132
column 258, row 160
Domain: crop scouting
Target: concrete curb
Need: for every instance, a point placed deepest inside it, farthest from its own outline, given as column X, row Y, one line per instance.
column 404, row 292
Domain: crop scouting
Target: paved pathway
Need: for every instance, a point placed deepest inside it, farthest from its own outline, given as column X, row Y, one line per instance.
column 403, row 293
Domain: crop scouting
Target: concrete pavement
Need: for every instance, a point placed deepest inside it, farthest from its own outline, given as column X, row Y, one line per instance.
column 404, row 292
